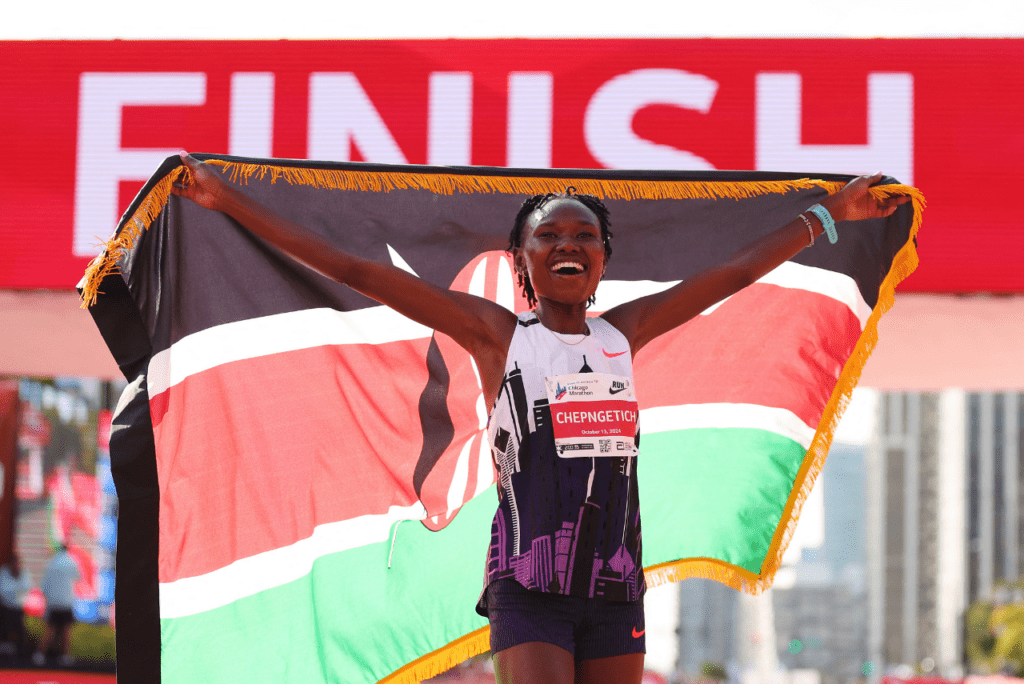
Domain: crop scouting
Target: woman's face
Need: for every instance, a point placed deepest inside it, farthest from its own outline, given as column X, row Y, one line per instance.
column 562, row 251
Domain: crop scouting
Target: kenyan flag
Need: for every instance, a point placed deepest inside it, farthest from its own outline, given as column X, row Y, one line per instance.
column 305, row 485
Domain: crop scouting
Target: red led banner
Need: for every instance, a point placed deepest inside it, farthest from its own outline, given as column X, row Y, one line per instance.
column 84, row 123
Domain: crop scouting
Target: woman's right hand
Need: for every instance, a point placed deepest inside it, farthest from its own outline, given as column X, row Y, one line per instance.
column 202, row 184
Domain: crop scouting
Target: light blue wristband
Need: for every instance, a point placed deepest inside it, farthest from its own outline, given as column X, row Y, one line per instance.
column 826, row 222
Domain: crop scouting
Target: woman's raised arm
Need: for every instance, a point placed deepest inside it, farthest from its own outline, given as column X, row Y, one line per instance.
column 644, row 319
column 478, row 325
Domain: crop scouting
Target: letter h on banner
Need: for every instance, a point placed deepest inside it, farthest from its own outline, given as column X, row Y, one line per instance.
column 890, row 146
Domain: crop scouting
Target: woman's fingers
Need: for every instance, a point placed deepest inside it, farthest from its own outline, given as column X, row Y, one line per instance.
column 887, row 206
column 181, row 187
column 198, row 184
column 188, row 160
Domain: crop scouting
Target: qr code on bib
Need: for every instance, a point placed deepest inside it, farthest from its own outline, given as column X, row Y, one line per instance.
column 605, row 444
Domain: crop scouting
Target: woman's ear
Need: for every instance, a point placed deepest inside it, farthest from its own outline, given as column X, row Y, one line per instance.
column 518, row 261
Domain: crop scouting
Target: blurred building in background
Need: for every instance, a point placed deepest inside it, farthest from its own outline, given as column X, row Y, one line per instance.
column 995, row 513
column 913, row 472
column 707, row 626
column 819, row 602
column 812, row 626
column 944, row 521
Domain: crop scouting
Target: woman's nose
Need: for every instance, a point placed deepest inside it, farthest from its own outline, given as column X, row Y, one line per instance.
column 566, row 243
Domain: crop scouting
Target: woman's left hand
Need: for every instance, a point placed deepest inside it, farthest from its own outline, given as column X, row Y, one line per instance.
column 855, row 203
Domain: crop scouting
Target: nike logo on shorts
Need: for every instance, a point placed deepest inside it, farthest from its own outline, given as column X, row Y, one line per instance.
column 636, row 634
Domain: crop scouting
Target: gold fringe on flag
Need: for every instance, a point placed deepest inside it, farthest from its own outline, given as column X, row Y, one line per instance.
column 442, row 659
column 119, row 245
column 440, row 183
column 448, row 184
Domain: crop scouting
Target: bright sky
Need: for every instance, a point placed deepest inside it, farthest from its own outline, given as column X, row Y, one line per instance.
column 73, row 19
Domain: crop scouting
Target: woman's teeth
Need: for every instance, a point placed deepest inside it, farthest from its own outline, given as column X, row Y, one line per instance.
column 568, row 268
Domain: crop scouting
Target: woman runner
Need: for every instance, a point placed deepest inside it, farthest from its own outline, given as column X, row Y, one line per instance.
column 564, row 590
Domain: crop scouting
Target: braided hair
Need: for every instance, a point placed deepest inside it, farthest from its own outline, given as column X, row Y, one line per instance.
column 532, row 204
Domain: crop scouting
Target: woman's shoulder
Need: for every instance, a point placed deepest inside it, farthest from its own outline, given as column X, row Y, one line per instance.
column 603, row 328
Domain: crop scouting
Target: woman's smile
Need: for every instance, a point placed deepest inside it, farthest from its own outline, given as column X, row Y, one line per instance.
column 568, row 268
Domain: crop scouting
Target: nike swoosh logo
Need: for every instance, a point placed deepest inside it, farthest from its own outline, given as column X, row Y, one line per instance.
column 636, row 634
column 613, row 355
column 616, row 390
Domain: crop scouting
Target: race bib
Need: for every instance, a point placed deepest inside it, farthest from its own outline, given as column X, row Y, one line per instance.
column 593, row 414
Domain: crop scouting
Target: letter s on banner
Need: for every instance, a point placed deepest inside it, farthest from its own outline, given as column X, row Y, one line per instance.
column 890, row 146
column 101, row 163
column 608, row 125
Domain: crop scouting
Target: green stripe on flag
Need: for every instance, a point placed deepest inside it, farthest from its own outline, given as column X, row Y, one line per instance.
column 309, row 630
column 692, row 483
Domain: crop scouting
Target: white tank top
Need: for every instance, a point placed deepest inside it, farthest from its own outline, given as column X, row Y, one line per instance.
column 563, row 436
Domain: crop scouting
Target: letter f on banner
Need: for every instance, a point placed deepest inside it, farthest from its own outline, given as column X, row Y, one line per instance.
column 890, row 145
column 101, row 162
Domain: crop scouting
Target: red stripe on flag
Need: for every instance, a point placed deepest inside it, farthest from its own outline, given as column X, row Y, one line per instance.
column 767, row 345
column 253, row 454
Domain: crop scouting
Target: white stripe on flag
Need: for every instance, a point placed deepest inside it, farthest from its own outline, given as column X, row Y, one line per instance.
column 310, row 328
column 283, row 332
column 838, row 286
column 270, row 569
column 689, row 416
column 249, row 576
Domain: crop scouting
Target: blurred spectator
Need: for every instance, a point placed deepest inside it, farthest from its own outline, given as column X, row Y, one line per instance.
column 58, row 588
column 14, row 584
